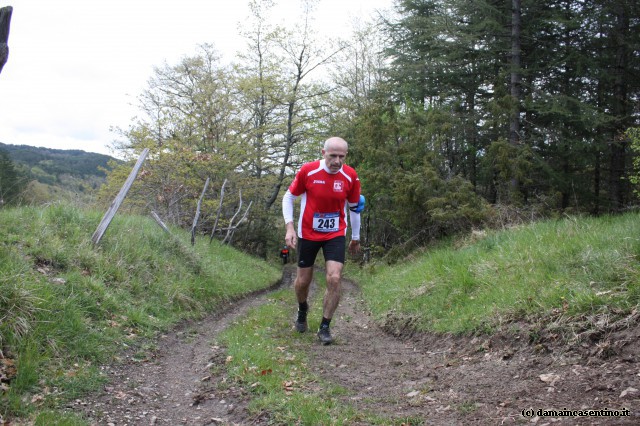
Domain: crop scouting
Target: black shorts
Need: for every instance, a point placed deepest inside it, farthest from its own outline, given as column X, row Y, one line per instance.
column 332, row 249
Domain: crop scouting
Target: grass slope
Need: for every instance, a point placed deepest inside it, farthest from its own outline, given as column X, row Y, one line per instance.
column 578, row 266
column 66, row 306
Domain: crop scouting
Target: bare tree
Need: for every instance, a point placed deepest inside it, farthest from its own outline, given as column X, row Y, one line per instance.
column 303, row 54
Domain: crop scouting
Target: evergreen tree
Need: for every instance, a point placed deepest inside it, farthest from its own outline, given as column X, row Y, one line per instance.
column 556, row 79
column 10, row 181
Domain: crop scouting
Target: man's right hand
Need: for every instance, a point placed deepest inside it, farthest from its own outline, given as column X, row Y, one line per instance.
column 291, row 239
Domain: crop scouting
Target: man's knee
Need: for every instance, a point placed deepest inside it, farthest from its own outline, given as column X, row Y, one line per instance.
column 333, row 272
column 333, row 278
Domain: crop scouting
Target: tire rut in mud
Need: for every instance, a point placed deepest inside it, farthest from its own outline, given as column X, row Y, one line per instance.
column 178, row 383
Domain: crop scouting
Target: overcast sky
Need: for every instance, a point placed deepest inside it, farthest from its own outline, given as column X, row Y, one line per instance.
column 76, row 67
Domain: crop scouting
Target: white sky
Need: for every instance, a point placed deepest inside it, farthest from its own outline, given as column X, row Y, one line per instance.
column 76, row 67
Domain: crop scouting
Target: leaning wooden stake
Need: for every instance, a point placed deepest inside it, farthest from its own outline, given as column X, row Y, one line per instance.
column 115, row 205
column 195, row 219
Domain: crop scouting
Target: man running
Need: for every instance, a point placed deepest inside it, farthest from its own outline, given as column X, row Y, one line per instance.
column 326, row 187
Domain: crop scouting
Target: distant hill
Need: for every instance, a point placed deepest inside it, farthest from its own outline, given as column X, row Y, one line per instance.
column 57, row 174
column 49, row 163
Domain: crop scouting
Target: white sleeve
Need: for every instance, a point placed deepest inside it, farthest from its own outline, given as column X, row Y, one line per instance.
column 354, row 218
column 287, row 206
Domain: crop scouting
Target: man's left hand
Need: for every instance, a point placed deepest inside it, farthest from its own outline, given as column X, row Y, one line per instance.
column 354, row 247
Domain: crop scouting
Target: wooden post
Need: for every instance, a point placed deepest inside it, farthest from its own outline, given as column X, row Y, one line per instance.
column 5, row 23
column 115, row 205
column 195, row 219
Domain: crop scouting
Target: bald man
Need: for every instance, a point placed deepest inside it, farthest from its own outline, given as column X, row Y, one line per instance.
column 328, row 189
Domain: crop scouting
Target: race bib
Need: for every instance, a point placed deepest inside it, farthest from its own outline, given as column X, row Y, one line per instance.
column 326, row 222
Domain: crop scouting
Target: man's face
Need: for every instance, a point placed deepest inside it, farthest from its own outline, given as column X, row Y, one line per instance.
column 334, row 156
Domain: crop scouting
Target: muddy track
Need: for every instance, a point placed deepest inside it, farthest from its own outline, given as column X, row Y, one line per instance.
column 430, row 380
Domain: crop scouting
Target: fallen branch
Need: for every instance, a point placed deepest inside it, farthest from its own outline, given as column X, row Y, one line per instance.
column 160, row 222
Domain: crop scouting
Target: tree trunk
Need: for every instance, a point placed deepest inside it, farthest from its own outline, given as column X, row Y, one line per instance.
column 472, row 137
column 5, row 23
column 618, row 143
column 290, row 140
column 514, row 122
column 596, row 182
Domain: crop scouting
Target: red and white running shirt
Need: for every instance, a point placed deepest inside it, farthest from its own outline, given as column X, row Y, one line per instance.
column 324, row 199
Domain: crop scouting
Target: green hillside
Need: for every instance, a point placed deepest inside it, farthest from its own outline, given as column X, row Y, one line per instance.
column 46, row 164
column 49, row 175
column 64, row 302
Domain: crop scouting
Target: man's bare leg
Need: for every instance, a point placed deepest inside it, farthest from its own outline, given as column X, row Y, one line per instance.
column 331, row 299
column 301, row 288
column 302, row 283
column 332, row 294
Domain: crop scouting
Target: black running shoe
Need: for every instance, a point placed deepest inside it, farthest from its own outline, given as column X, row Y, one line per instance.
column 325, row 336
column 301, row 322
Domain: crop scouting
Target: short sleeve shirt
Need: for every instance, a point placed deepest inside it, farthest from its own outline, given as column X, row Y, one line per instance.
column 324, row 200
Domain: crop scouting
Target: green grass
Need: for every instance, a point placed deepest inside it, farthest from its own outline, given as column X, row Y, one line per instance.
column 67, row 306
column 268, row 359
column 578, row 266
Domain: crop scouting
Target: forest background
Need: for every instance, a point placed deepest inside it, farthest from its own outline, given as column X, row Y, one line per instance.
column 458, row 114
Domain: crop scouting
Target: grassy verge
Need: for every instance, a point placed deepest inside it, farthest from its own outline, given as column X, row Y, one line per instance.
column 66, row 306
column 574, row 266
column 268, row 358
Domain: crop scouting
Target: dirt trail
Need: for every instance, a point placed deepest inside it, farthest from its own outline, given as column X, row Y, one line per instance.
column 423, row 379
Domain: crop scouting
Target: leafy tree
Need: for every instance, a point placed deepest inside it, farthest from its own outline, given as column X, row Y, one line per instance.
column 411, row 193
column 260, row 93
column 250, row 124
column 355, row 75
column 190, row 129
